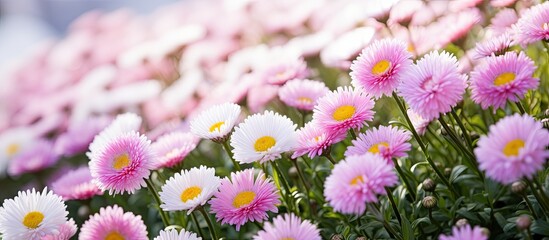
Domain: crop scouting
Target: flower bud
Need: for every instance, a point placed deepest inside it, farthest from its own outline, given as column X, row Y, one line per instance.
column 429, row 185
column 292, row 172
column 518, row 187
column 485, row 231
column 361, row 238
column 523, row 222
column 462, row 222
column 447, row 172
column 337, row 237
column 429, row 202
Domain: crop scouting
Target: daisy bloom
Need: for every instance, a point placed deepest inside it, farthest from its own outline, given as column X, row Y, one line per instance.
column 502, row 78
column 343, row 109
column 434, row 85
column 302, row 93
column 503, row 21
column 39, row 156
column 465, row 233
column 244, row 198
column 13, row 142
column 76, row 185
column 493, row 46
column 174, row 235
column 123, row 123
column 170, row 149
column 378, row 69
column 515, row 147
column 65, row 231
column 122, row 164
column 313, row 140
column 533, row 26
column 113, row 223
column 189, row 189
column 78, row 136
column 420, row 124
column 216, row 123
column 263, row 137
column 31, row 215
column 387, row 141
column 288, row 226
column 281, row 65
column 356, row 181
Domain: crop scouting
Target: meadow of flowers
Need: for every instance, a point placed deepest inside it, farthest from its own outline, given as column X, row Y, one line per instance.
column 283, row 120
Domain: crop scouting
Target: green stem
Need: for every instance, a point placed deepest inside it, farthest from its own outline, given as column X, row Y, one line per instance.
column 405, row 180
column 353, row 134
column 529, row 204
column 281, row 177
column 521, row 108
column 152, row 189
column 467, row 154
column 393, row 204
column 230, row 153
column 198, row 229
column 463, row 130
column 543, row 194
column 540, row 199
column 301, row 176
column 209, row 222
column 329, row 157
column 393, row 234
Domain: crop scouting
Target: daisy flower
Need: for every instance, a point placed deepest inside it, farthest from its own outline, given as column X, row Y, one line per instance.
column 174, row 235
column 378, row 69
column 434, row 85
column 281, row 65
column 465, row 233
column 356, row 181
column 503, row 21
column 113, row 223
column 39, row 156
column 123, row 123
column 420, row 124
column 515, row 147
column 217, row 122
column 244, row 198
column 313, row 141
column 533, row 26
column 122, row 164
column 78, row 136
column 170, row 149
column 263, row 137
column 493, row 46
column 13, row 142
column 32, row 214
column 65, row 231
column 189, row 189
column 302, row 93
column 389, row 142
column 502, row 78
column 76, row 185
column 288, row 226
column 343, row 109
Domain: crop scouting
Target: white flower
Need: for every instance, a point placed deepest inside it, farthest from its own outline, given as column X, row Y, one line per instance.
column 173, row 235
column 263, row 137
column 189, row 189
column 216, row 122
column 13, row 142
column 31, row 215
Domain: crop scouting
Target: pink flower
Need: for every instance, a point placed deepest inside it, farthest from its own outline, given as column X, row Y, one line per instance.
column 378, row 69
column 35, row 158
column 64, row 232
column 113, row 223
column 389, row 142
column 533, row 26
column 79, row 136
column 170, row 149
column 302, row 94
column 358, row 180
column 76, row 185
column 502, row 78
column 288, row 226
column 313, row 140
column 465, row 233
column 420, row 124
column 244, row 199
column 515, row 147
column 434, row 85
column 502, row 3
column 503, row 21
column 493, row 46
column 343, row 109
column 282, row 65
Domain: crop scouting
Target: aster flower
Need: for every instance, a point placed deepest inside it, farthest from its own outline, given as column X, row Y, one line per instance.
column 243, row 198
column 313, row 140
column 32, row 214
column 533, row 26
column 79, row 136
column 302, row 94
column 123, row 123
column 465, row 233
column 282, row 65
column 76, row 185
column 419, row 123
column 501, row 3
column 189, row 189
column 378, row 69
column 216, row 123
column 389, row 142
column 343, row 109
column 263, row 137
column 503, row 21
column 493, row 46
column 122, row 164
column 65, row 231
column 113, row 223
column 174, row 235
column 35, row 158
column 170, row 149
column 356, row 181
column 515, row 147
column 502, row 78
column 434, row 85
column 13, row 142
column 288, row 226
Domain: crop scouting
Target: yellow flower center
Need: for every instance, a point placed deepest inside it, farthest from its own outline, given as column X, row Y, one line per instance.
column 114, row 236
column 190, row 193
column 216, row 126
column 343, row 113
column 512, row 147
column 375, row 147
column 243, row 198
column 287, row 238
column 305, row 100
column 411, row 48
column 12, row 149
column 504, row 78
column 264, row 143
column 357, row 180
column 121, row 161
column 381, row 67
column 33, row 219
column 317, row 138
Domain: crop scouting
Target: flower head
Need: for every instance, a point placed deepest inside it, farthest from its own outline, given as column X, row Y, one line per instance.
column 113, row 223
column 13, row 142
column 263, row 137
column 493, row 46
column 244, row 198
column 76, row 185
column 465, row 233
column 389, row 142
column 170, row 149
column 288, row 226
column 302, row 94
column 313, row 141
column 515, row 147
column 35, row 158
column 533, row 26
column 502, row 78
column 378, row 69
column 174, row 235
column 215, row 123
column 64, row 232
column 434, row 85
column 503, row 21
column 79, row 136
column 420, row 124
column 358, row 180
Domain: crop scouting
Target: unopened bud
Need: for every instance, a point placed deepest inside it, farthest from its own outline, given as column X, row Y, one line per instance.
column 83, row 211
column 485, row 231
column 429, row 202
column 523, row 222
column 462, row 222
column 292, row 172
column 361, row 238
column 337, row 237
column 518, row 187
column 429, row 185
column 447, row 172
column 545, row 122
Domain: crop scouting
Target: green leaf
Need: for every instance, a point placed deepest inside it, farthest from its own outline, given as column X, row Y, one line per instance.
column 458, row 170
column 540, row 227
column 407, row 230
